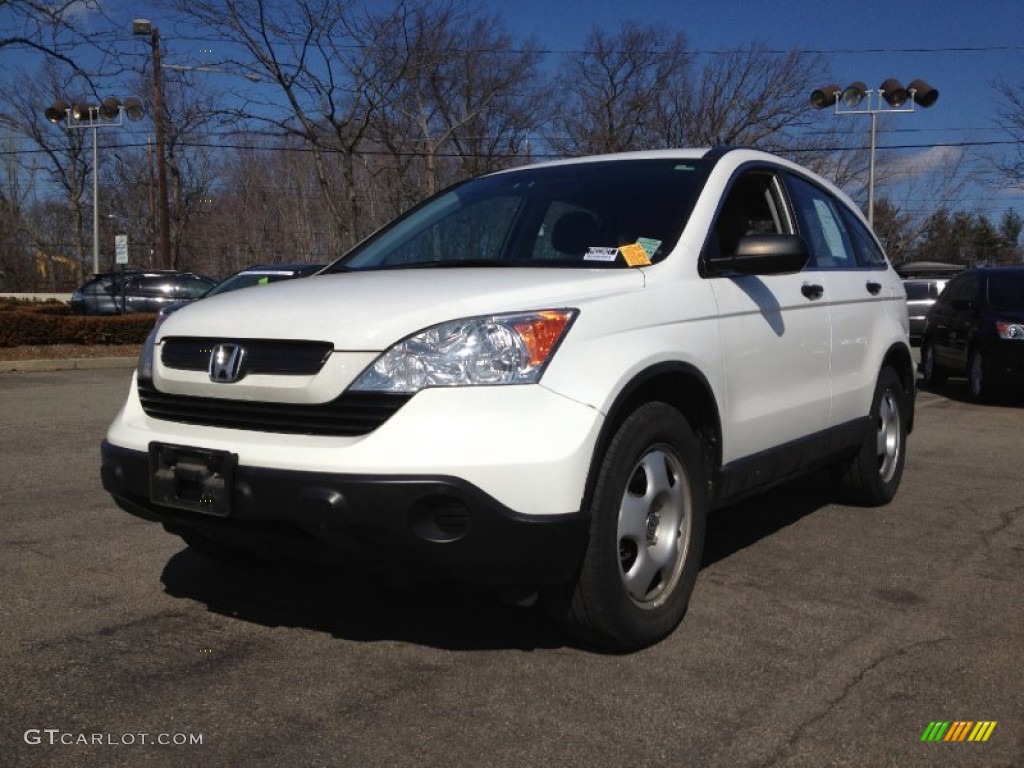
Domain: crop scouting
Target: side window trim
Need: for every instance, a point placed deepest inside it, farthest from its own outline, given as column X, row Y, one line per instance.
column 777, row 201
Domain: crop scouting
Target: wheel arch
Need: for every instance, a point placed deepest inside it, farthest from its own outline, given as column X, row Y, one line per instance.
column 683, row 387
column 898, row 358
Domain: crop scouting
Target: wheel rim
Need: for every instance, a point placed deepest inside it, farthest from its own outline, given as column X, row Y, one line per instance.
column 888, row 441
column 977, row 374
column 654, row 528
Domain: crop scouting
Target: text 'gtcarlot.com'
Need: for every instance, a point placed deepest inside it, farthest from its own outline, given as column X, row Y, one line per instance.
column 57, row 737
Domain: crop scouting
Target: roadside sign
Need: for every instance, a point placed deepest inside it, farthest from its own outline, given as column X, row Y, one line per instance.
column 121, row 248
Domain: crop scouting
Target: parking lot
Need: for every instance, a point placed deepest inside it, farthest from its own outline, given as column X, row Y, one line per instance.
column 818, row 634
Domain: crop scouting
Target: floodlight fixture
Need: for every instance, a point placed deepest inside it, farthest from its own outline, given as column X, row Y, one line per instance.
column 889, row 97
column 110, row 107
column 853, row 94
column 133, row 108
column 924, row 94
column 82, row 111
column 895, row 95
column 56, row 112
column 824, row 96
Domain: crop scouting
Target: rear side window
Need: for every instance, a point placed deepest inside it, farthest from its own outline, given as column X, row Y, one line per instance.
column 918, row 291
column 822, row 225
column 869, row 253
column 98, row 287
column 192, row 287
column 151, row 287
column 964, row 288
column 1006, row 291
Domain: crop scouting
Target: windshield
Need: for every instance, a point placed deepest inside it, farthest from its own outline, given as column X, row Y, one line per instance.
column 577, row 215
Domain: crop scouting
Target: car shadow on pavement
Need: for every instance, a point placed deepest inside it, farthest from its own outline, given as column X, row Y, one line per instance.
column 740, row 525
column 359, row 607
column 356, row 606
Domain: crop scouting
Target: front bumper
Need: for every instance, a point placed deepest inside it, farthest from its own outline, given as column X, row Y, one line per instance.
column 1006, row 358
column 433, row 523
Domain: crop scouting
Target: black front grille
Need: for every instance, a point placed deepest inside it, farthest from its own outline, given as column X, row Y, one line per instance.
column 350, row 415
column 270, row 356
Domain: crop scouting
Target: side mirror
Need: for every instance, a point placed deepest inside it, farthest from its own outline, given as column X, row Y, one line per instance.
column 962, row 305
column 765, row 255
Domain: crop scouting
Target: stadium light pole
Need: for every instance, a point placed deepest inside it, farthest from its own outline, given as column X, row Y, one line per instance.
column 889, row 97
column 146, row 27
column 109, row 113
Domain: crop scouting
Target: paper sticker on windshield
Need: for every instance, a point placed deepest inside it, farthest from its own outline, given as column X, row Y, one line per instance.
column 649, row 244
column 635, row 255
column 595, row 253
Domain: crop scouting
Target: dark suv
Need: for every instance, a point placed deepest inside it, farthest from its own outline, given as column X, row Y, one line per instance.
column 976, row 328
column 113, row 293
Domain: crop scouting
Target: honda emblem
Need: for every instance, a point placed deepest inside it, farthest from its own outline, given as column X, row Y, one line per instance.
column 227, row 363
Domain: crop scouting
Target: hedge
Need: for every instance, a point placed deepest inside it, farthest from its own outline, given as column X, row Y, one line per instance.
column 31, row 326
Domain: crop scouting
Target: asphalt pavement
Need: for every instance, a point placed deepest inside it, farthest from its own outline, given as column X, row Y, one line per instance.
column 818, row 634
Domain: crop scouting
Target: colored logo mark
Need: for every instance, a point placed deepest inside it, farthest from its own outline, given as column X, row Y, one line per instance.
column 958, row 730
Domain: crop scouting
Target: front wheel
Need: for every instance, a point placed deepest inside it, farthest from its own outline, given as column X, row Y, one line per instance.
column 648, row 516
column 873, row 475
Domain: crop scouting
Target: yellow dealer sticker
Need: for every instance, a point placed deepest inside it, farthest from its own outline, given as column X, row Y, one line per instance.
column 635, row 255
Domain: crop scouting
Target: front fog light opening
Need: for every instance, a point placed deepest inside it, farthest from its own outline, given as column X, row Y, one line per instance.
column 439, row 519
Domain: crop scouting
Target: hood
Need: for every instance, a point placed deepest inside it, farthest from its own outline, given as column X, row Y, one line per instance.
column 370, row 311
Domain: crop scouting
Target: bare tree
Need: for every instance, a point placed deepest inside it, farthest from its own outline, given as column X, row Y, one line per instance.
column 1011, row 120
column 329, row 87
column 52, row 30
column 59, row 154
column 464, row 96
column 751, row 96
column 623, row 92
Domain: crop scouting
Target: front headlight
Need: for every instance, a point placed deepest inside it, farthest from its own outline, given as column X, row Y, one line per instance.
column 1010, row 331
column 475, row 351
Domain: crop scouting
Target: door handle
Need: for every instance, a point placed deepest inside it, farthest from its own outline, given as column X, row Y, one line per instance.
column 812, row 291
column 874, row 288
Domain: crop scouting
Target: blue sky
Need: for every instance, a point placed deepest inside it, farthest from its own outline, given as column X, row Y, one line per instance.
column 958, row 46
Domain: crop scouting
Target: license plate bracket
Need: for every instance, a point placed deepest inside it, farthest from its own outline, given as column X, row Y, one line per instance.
column 193, row 479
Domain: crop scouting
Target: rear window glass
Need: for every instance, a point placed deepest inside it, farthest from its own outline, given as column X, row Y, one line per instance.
column 1006, row 291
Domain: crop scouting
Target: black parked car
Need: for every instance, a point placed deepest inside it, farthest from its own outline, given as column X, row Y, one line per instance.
column 976, row 329
column 112, row 293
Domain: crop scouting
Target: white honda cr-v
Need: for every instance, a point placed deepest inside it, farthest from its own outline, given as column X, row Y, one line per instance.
column 541, row 379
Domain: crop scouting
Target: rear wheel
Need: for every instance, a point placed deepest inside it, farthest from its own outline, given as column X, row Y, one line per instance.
column 873, row 475
column 931, row 375
column 979, row 377
column 648, row 512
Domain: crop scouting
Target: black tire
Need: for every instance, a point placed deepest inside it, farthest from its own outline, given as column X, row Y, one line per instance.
column 980, row 384
column 221, row 552
column 649, row 510
column 872, row 477
column 932, row 375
